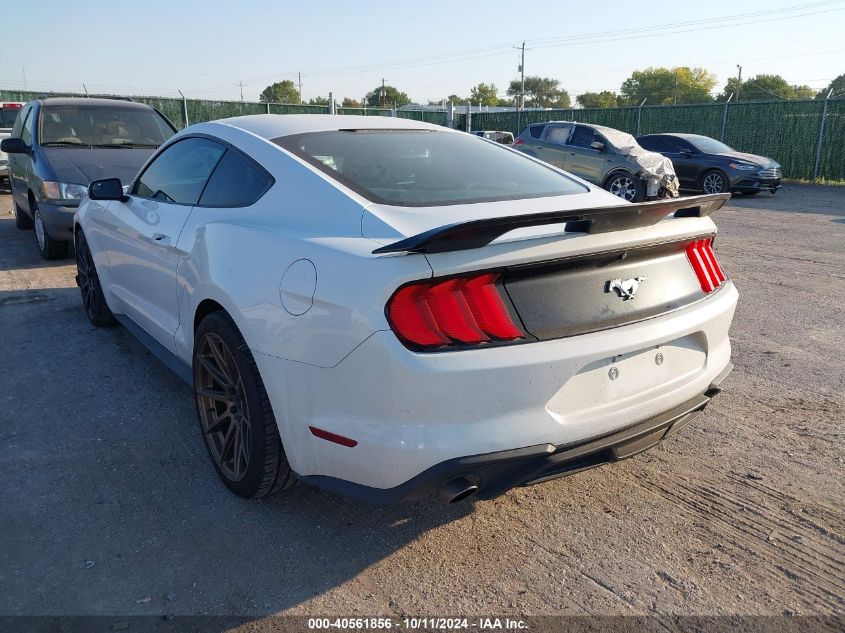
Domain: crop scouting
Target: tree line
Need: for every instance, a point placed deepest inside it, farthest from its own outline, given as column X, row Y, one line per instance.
column 655, row 86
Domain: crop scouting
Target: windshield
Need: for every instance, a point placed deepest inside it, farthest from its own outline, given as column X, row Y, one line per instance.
column 417, row 168
column 707, row 145
column 102, row 126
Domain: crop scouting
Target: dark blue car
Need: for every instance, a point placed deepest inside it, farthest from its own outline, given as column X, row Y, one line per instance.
column 58, row 146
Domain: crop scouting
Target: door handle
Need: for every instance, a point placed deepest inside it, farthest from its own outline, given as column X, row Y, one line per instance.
column 160, row 238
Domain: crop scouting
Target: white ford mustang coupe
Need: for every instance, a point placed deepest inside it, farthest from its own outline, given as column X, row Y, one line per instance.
column 390, row 310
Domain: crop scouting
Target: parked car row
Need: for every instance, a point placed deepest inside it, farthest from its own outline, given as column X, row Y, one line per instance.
column 650, row 166
column 8, row 114
column 58, row 146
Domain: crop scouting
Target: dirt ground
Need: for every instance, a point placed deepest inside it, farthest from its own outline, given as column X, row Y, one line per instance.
column 111, row 506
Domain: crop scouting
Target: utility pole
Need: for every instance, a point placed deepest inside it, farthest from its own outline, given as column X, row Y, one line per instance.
column 675, row 91
column 383, row 94
column 241, row 85
column 299, row 84
column 521, row 104
column 739, row 82
column 24, row 79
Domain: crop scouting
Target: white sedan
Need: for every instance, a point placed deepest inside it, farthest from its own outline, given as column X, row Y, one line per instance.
column 389, row 309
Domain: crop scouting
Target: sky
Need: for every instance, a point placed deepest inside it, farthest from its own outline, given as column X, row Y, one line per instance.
column 427, row 49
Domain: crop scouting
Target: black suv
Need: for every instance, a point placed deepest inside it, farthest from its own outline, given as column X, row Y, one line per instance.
column 58, row 146
column 705, row 164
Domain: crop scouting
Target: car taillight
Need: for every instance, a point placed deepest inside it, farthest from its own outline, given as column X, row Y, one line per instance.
column 703, row 260
column 517, row 141
column 456, row 312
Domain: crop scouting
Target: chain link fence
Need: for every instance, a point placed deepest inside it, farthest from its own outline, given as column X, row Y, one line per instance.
column 806, row 137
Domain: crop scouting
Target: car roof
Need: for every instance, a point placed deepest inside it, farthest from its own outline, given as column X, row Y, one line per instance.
column 84, row 101
column 272, row 126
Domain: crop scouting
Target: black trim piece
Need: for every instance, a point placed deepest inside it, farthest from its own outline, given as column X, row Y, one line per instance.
column 173, row 362
column 496, row 473
column 478, row 233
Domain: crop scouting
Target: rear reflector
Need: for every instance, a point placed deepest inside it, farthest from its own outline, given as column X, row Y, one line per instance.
column 517, row 141
column 332, row 437
column 458, row 311
column 12, row 106
column 703, row 260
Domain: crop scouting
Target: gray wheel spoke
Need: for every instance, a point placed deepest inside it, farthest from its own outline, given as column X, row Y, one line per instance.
column 213, row 394
column 218, row 421
column 228, row 443
column 215, row 373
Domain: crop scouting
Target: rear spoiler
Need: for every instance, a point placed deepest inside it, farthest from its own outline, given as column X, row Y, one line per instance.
column 477, row 233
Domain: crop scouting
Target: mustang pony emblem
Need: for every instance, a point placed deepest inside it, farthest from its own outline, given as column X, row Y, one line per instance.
column 626, row 288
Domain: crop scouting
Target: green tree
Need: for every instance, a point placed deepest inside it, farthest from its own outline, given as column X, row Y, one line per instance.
column 603, row 99
column 386, row 97
column 540, row 92
column 349, row 102
column 280, row 92
column 667, row 86
column 765, row 88
column 837, row 85
column 456, row 100
column 323, row 101
column 485, row 94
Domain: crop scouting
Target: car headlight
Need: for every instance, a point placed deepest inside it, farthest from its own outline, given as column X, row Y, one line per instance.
column 63, row 192
column 744, row 167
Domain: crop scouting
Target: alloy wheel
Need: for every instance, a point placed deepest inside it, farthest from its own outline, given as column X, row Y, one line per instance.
column 221, row 401
column 623, row 187
column 714, row 183
column 85, row 279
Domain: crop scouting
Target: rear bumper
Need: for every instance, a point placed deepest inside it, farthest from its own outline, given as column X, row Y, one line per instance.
column 411, row 412
column 495, row 473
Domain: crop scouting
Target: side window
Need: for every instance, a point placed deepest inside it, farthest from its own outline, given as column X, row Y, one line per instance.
column 536, row 131
column 18, row 126
column 584, row 137
column 653, row 143
column 26, row 131
column 236, row 182
column 676, row 145
column 180, row 172
column 557, row 133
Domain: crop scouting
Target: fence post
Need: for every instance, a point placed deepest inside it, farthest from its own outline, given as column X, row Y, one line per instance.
column 268, row 107
column 725, row 118
column 450, row 115
column 639, row 115
column 184, row 109
column 821, row 136
column 469, row 119
column 331, row 103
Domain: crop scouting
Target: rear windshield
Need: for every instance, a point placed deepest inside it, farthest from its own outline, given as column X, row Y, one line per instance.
column 8, row 116
column 102, row 126
column 419, row 168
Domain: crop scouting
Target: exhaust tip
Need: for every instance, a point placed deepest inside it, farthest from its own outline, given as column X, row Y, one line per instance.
column 456, row 490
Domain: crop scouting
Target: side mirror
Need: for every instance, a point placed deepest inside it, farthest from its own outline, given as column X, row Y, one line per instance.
column 14, row 146
column 106, row 189
column 597, row 145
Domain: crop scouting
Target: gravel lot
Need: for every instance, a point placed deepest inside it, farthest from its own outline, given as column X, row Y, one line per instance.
column 111, row 506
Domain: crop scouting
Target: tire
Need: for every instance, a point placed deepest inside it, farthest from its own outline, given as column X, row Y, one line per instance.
column 47, row 246
column 714, row 181
column 22, row 220
column 89, row 286
column 625, row 186
column 232, row 406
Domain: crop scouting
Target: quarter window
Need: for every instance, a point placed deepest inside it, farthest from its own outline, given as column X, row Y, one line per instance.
column 179, row 174
column 236, row 182
column 26, row 132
